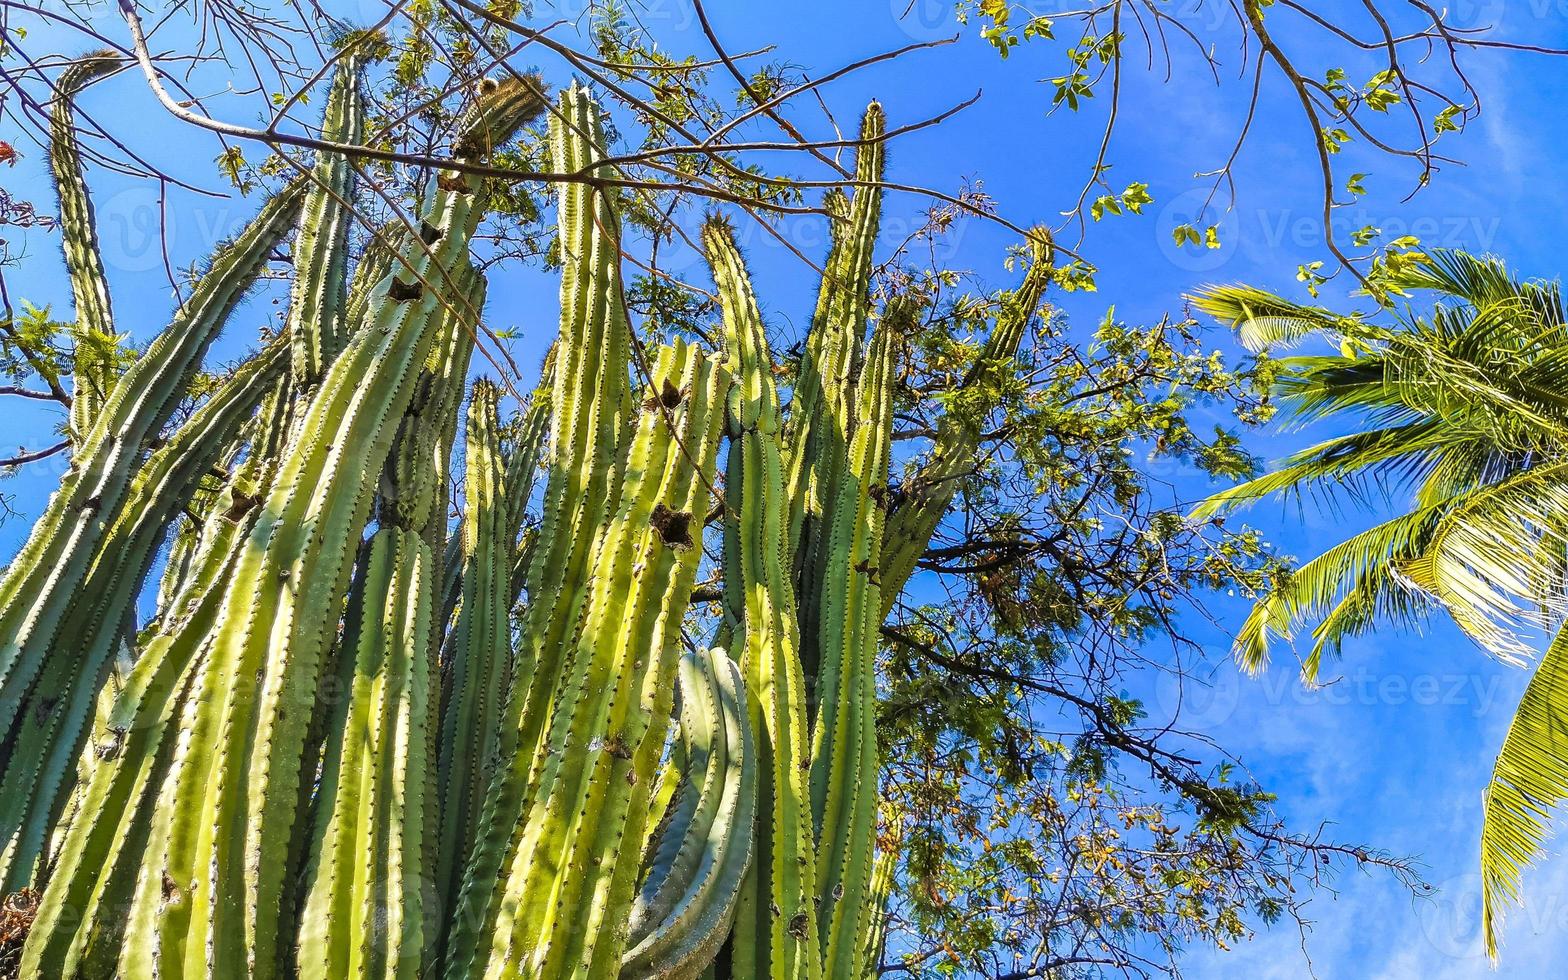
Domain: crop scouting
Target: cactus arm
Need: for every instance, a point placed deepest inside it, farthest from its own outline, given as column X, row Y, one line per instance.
column 39, row 584
column 686, row 912
column 362, row 916
column 317, row 322
column 884, row 875
column 760, row 597
column 820, row 410
column 522, row 467
column 925, row 497
column 590, row 401
column 570, row 878
column 844, row 750
column 96, row 347
column 682, row 835
column 53, row 722
column 479, row 645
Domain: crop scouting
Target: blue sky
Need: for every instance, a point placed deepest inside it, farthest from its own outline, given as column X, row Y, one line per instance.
column 1394, row 755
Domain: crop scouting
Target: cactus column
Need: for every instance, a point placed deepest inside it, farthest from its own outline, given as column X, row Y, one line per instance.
column 760, row 606
column 95, row 347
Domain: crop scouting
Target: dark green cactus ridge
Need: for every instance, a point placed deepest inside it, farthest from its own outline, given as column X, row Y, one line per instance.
column 478, row 652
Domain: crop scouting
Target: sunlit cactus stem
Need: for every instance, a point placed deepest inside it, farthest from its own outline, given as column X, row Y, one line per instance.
column 212, row 889
column 569, row 877
column 40, row 765
column 42, row 582
column 590, row 404
column 761, row 617
column 318, row 324
column 95, row 353
column 821, row 420
column 844, row 745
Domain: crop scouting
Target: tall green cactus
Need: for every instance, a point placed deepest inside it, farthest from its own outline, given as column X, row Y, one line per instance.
column 568, row 879
column 478, row 652
column 207, row 889
column 40, row 582
column 80, row 922
column 590, row 407
column 313, row 766
column 95, row 347
column 376, row 794
column 760, row 601
column 821, row 421
column 53, row 721
column 318, row 325
column 844, row 743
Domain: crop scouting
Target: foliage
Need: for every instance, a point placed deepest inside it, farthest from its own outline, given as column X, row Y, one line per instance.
column 1459, row 419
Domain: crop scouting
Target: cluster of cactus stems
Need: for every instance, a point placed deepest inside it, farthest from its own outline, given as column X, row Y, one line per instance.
column 357, row 741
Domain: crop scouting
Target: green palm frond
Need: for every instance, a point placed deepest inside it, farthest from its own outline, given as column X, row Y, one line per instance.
column 1404, row 452
column 1484, row 560
column 1364, row 565
column 1475, row 279
column 1263, row 319
column 1529, row 783
column 1465, row 409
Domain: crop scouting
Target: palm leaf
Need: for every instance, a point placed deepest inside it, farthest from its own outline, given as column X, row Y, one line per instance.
column 1365, row 564
column 1529, row 782
column 1263, row 319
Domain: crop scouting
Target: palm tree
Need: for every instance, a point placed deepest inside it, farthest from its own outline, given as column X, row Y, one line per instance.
column 1460, row 418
